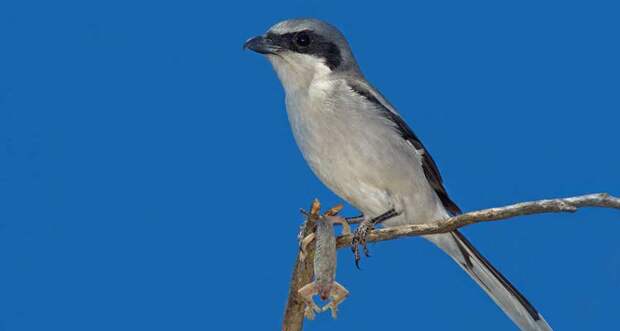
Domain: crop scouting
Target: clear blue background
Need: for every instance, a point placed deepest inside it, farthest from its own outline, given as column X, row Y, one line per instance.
column 149, row 180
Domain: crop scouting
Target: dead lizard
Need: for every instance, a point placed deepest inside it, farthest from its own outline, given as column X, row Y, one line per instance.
column 325, row 258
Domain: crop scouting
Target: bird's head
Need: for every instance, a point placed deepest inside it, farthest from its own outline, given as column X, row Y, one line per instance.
column 302, row 50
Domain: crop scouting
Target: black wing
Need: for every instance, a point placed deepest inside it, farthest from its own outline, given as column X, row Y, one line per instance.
column 428, row 164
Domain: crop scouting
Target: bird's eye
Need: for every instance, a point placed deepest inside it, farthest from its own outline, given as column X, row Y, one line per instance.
column 302, row 39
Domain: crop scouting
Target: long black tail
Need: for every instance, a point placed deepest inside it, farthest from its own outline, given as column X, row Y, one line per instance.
column 510, row 300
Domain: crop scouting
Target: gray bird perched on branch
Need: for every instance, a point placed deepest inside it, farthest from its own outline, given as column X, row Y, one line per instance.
column 361, row 148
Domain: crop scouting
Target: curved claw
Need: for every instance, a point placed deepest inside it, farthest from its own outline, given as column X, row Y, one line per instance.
column 356, row 253
column 366, row 252
column 359, row 238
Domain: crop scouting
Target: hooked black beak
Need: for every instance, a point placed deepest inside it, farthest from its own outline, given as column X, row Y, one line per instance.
column 261, row 45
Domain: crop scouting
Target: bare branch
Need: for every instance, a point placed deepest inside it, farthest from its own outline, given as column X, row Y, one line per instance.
column 571, row 204
column 302, row 273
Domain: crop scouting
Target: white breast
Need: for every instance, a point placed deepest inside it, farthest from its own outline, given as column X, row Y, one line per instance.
column 357, row 153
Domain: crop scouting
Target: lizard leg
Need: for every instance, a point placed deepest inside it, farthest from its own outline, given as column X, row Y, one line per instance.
column 304, row 246
column 346, row 228
column 306, row 293
column 338, row 294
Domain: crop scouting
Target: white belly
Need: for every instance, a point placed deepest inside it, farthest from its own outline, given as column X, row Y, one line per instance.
column 360, row 157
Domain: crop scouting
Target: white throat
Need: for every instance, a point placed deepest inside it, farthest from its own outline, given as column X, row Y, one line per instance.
column 298, row 71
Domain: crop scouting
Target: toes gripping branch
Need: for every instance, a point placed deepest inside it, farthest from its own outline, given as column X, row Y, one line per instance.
column 361, row 233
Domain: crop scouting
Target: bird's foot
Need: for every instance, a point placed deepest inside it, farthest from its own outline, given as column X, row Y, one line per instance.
column 362, row 231
column 359, row 238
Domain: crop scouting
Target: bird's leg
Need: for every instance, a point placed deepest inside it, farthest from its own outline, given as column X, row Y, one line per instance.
column 338, row 294
column 306, row 293
column 359, row 238
column 355, row 219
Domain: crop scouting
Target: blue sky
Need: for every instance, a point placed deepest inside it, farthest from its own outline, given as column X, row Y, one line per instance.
column 149, row 180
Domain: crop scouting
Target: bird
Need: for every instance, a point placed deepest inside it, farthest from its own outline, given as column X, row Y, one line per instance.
column 361, row 148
